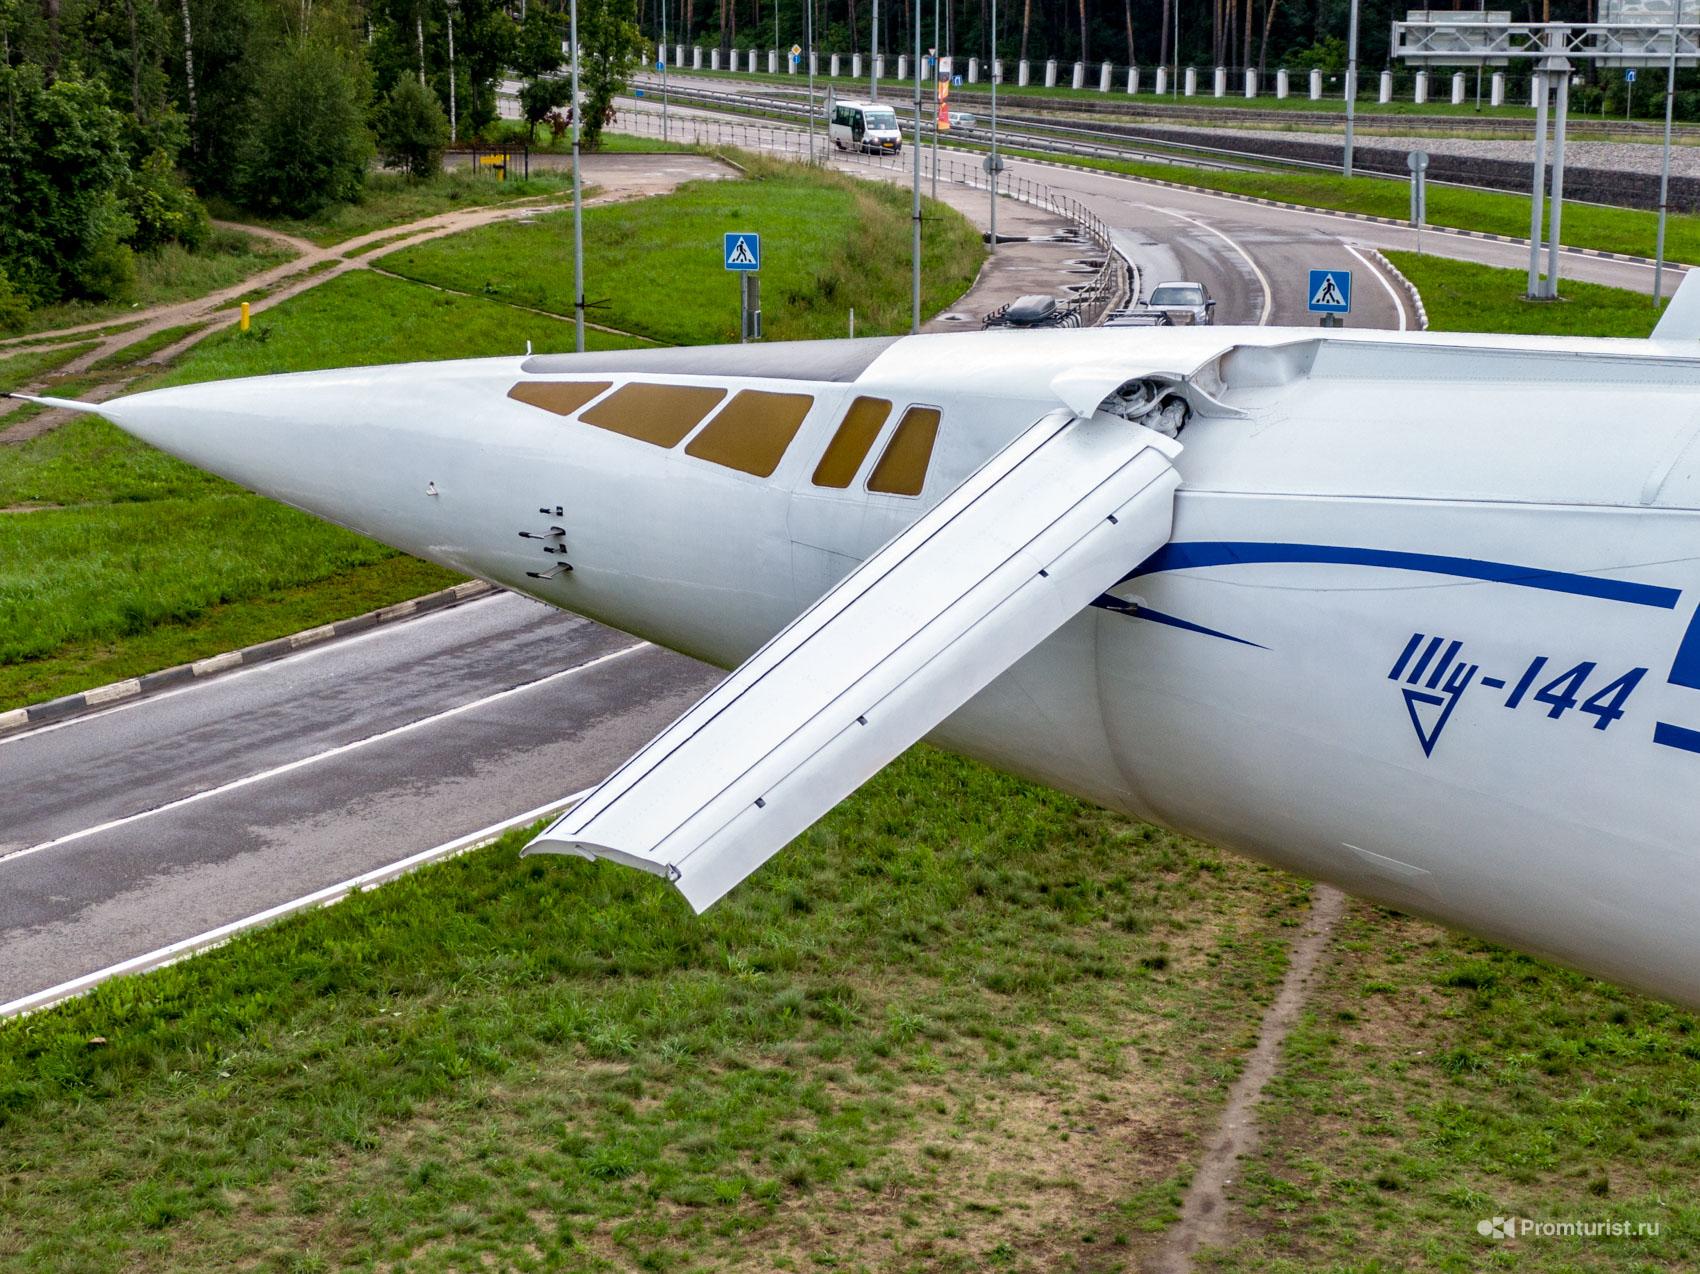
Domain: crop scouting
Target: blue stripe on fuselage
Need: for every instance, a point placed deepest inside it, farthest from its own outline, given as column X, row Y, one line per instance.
column 1180, row 557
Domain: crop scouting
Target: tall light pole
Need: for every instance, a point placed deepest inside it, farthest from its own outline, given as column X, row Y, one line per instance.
column 1351, row 87
column 992, row 171
column 809, row 52
column 578, row 199
column 663, row 70
column 915, row 285
column 874, row 57
column 1664, row 174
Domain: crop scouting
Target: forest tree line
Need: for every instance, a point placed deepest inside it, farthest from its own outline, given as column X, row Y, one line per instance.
column 119, row 117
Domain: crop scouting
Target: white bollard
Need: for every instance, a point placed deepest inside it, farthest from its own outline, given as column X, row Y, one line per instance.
column 1386, row 94
column 1251, row 81
column 1315, row 85
column 1162, row 81
column 1051, row 73
column 902, row 66
column 773, row 61
column 973, row 70
column 696, row 57
column 1497, row 89
column 734, row 66
column 1421, row 94
column 879, row 66
column 1078, row 80
column 1132, row 80
column 678, row 55
column 1283, row 84
column 1189, row 85
column 1534, row 92
column 714, row 59
column 1023, row 71
column 1104, row 74
column 997, row 71
column 1457, row 88
column 1219, row 82
column 855, row 66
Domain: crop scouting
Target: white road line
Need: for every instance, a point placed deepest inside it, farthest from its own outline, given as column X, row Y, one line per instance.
column 234, row 669
column 1262, row 278
column 1386, row 284
column 175, row 951
column 314, row 759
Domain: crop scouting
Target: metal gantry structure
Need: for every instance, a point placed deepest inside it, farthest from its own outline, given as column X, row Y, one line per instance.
column 1652, row 35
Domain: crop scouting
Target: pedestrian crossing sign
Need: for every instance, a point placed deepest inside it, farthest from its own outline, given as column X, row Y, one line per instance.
column 743, row 251
column 1330, row 291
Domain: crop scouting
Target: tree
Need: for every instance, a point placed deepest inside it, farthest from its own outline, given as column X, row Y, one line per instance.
column 412, row 129
column 537, row 59
column 62, row 225
column 609, row 46
column 307, row 144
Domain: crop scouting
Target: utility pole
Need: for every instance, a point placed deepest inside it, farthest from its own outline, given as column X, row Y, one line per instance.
column 874, row 57
column 578, row 199
column 454, row 124
column 809, row 52
column 1664, row 173
column 1351, row 86
column 936, row 47
column 992, row 172
column 663, row 70
column 915, row 286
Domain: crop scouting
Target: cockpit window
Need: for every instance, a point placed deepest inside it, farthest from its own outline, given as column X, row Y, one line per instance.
column 753, row 432
column 563, row 397
column 849, row 445
column 659, row 414
column 902, row 469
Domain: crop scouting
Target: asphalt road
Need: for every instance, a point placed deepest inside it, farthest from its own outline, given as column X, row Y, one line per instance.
column 159, row 820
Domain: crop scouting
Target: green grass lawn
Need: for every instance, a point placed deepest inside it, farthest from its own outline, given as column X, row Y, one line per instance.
column 1436, row 1081
column 173, row 274
column 126, row 558
column 1462, row 297
column 830, row 244
column 962, row 1023
column 390, row 199
column 18, row 370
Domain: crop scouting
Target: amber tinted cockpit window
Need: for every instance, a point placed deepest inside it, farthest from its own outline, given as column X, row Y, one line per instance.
column 849, row 446
column 662, row 414
column 902, row 470
column 563, row 397
column 753, row 432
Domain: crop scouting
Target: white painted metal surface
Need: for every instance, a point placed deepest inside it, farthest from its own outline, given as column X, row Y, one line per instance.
column 1427, row 627
column 988, row 573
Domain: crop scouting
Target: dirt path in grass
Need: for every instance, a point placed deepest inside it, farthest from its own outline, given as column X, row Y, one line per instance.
column 615, row 179
column 1204, row 1213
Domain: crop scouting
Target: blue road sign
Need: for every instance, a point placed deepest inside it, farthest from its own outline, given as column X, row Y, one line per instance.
column 1330, row 291
column 1630, row 75
column 956, row 81
column 743, row 251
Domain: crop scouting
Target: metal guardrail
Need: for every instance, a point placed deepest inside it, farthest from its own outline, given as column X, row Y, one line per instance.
column 1109, row 287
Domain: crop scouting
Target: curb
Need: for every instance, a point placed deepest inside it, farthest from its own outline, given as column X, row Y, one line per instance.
column 1398, row 277
column 119, row 691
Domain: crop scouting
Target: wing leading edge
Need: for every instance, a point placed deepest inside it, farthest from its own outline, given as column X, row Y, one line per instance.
column 1002, row 562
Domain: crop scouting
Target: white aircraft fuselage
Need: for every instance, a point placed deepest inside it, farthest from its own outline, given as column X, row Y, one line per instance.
column 1426, row 624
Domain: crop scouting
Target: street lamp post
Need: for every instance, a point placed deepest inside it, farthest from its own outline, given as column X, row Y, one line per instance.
column 578, row 198
column 1664, row 173
column 915, row 286
column 1351, row 87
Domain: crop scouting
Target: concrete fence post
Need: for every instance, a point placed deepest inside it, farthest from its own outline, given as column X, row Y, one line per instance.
column 1283, row 84
column 1189, row 86
column 1219, row 82
column 1496, row 89
column 1051, row 73
column 1251, row 81
column 1420, row 94
column 1457, row 88
column 1386, row 94
column 1023, row 73
column 1132, row 80
column 1315, row 85
column 1104, row 74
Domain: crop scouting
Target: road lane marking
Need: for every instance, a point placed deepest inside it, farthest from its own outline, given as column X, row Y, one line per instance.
column 1262, row 278
column 173, row 952
column 1386, row 285
column 315, row 758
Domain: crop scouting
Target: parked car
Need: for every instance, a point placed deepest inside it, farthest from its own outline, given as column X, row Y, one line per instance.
column 1183, row 302
column 1037, row 310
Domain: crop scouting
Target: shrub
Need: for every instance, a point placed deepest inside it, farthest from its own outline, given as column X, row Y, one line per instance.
column 412, row 129
column 163, row 209
column 307, row 145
